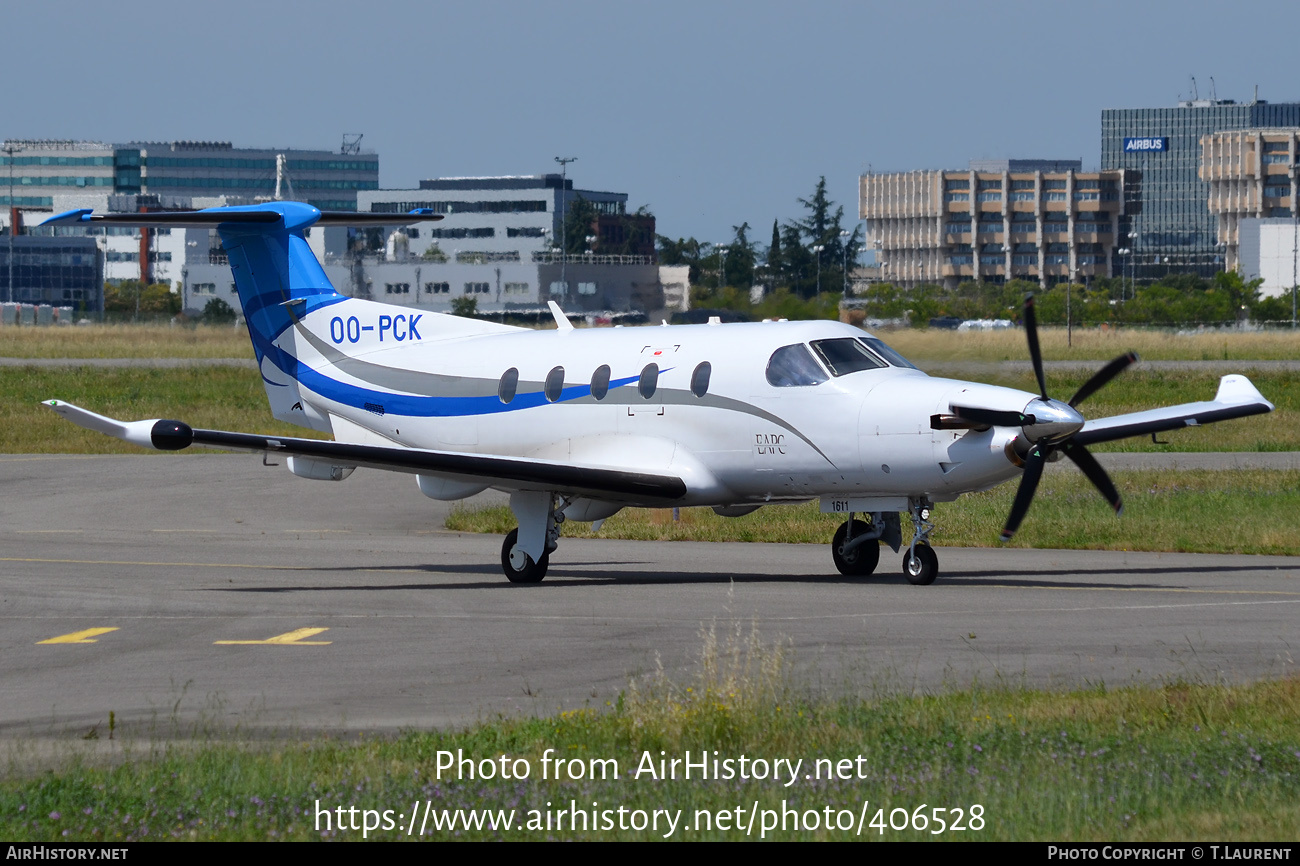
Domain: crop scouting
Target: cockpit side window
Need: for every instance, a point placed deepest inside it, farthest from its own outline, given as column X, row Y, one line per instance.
column 878, row 346
column 846, row 356
column 792, row 366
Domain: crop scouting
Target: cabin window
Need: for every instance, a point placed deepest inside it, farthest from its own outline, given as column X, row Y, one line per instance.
column 600, row 382
column 649, row 381
column 846, row 356
column 700, row 379
column 792, row 366
column 509, row 384
column 554, row 384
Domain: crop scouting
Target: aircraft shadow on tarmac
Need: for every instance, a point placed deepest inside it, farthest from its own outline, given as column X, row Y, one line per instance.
column 610, row 573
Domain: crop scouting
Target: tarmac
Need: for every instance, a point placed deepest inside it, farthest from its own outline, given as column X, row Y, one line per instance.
column 191, row 591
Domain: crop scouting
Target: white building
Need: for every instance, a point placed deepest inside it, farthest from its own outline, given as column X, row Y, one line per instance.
column 1267, row 248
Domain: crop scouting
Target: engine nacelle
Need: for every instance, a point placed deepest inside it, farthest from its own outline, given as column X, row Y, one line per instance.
column 318, row 470
column 445, row 489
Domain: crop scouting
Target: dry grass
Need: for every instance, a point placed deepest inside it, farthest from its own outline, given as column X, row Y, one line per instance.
column 1096, row 344
column 125, row 341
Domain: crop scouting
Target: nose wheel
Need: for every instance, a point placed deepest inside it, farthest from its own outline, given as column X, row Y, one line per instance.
column 920, row 565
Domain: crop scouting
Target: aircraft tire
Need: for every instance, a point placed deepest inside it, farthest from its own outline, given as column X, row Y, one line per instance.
column 527, row 571
column 860, row 561
column 924, row 568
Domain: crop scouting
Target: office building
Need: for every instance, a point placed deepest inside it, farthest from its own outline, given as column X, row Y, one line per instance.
column 1251, row 176
column 1045, row 221
column 499, row 243
column 58, row 271
column 42, row 169
column 1171, row 229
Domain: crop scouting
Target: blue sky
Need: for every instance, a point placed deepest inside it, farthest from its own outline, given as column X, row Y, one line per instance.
column 710, row 113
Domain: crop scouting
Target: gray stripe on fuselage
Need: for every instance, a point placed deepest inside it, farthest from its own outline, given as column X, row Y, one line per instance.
column 442, row 385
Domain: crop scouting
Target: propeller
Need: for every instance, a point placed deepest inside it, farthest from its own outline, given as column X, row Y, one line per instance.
column 1053, row 427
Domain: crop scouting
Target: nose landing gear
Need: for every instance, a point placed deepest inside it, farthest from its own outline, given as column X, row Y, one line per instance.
column 920, row 564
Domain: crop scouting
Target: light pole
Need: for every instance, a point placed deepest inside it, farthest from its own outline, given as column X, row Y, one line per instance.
column 11, row 148
column 564, row 218
column 1295, row 238
column 817, row 250
column 722, row 264
column 1123, row 270
column 844, row 245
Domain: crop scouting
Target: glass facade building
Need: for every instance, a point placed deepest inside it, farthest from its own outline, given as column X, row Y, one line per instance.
column 45, row 168
column 61, row 271
column 1168, row 224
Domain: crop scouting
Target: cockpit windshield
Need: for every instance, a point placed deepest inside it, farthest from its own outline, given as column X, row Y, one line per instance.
column 878, row 346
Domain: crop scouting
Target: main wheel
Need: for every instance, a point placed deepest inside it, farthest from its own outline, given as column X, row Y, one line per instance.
column 861, row 560
column 923, row 568
column 519, row 566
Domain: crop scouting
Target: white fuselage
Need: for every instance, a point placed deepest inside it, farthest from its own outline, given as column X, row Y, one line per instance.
column 744, row 440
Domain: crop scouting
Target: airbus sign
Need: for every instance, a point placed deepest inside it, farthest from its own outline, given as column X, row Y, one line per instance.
column 1146, row 145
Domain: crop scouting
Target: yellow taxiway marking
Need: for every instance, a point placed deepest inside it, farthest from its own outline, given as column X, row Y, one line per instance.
column 86, row 636
column 292, row 638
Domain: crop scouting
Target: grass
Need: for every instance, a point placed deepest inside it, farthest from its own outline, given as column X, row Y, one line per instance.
column 1183, row 511
column 126, row 341
column 1185, row 761
column 232, row 398
column 219, row 397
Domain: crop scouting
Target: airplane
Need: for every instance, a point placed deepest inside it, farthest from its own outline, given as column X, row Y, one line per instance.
column 577, row 424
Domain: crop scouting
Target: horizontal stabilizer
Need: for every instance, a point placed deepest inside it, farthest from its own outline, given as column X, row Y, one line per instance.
column 511, row 472
column 250, row 216
column 1237, row 397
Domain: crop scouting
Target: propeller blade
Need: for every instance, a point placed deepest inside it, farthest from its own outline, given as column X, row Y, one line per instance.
column 1102, row 376
column 1086, row 462
column 992, row 417
column 1035, row 355
column 1028, row 484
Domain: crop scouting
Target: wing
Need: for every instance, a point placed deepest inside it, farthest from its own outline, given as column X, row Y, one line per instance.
column 1236, row 398
column 517, row 473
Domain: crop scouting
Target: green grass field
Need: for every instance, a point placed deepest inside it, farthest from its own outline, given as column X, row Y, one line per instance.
column 1181, row 762
column 1183, row 512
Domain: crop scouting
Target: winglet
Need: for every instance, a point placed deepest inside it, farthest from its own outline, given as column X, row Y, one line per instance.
column 80, row 215
column 1236, row 388
column 561, row 321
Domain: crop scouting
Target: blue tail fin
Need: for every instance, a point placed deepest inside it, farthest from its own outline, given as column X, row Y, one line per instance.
column 273, row 266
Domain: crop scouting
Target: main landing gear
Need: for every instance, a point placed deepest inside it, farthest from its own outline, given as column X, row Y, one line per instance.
column 526, row 551
column 856, row 546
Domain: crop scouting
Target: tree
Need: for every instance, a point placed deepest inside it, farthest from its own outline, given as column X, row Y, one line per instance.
column 218, row 312
column 822, row 227
column 132, row 296
column 465, row 305
column 434, row 253
column 683, row 251
column 775, row 264
column 578, row 225
column 740, row 258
